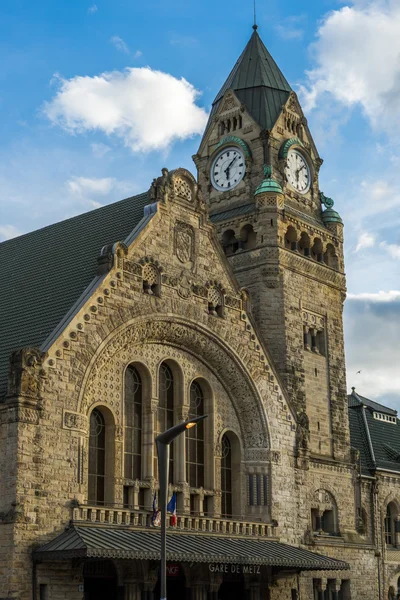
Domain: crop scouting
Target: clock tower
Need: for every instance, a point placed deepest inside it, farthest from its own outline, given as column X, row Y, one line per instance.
column 258, row 167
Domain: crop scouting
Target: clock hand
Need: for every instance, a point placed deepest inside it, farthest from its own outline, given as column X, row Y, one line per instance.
column 230, row 164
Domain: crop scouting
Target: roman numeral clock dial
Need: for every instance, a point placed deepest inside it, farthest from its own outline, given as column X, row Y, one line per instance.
column 298, row 172
column 228, row 169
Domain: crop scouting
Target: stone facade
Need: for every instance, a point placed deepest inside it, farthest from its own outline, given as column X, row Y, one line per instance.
column 256, row 318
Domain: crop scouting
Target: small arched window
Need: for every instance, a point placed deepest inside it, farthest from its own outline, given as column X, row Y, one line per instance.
column 317, row 250
column 226, row 477
column 304, row 244
column 390, row 532
column 291, row 238
column 229, row 242
column 248, row 237
column 133, row 424
column 166, row 409
column 195, row 439
column 330, row 257
column 97, row 458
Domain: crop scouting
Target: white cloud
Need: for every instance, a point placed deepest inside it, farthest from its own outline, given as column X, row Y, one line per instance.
column 100, row 149
column 8, row 231
column 138, row 54
column 92, row 9
column 365, row 240
column 372, row 328
column 392, row 249
column 290, row 28
column 119, row 44
column 391, row 296
column 357, row 54
column 147, row 109
column 85, row 185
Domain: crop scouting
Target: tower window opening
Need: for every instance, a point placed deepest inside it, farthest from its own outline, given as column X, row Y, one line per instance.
column 229, row 242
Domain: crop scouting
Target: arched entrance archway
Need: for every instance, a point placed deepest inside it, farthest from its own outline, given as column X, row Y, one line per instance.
column 100, row 580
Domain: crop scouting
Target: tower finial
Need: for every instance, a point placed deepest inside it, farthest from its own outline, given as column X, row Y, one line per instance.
column 255, row 26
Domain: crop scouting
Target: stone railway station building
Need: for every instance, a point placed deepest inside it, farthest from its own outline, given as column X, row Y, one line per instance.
column 221, row 295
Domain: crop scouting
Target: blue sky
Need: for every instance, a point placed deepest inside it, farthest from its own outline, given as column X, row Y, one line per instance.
column 60, row 156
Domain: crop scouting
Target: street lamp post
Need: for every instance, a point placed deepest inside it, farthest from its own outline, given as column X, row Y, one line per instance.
column 163, row 442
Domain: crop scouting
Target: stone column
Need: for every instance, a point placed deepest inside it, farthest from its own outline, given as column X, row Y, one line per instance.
column 254, row 591
column 132, row 591
column 306, row 331
column 182, row 414
column 397, row 531
column 322, row 589
column 199, row 591
column 149, row 428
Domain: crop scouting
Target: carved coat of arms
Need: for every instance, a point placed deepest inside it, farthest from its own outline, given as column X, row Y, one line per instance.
column 184, row 242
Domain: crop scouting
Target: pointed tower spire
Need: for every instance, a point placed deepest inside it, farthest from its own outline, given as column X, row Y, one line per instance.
column 258, row 83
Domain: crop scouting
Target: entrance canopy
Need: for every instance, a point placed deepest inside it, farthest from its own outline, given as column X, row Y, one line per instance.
column 109, row 542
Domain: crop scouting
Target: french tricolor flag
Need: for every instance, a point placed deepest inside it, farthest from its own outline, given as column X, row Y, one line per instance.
column 171, row 508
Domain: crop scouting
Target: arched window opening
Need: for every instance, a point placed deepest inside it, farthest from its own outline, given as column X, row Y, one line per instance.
column 229, row 242
column 316, row 250
column 195, row 439
column 324, row 514
column 133, row 424
column 330, row 257
column 165, row 411
column 291, row 238
column 151, row 280
column 235, row 123
column 97, row 458
column 390, row 524
column 226, row 477
column 304, row 244
column 248, row 237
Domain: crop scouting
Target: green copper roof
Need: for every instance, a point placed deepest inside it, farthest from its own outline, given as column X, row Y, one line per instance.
column 331, row 216
column 268, row 185
column 258, row 82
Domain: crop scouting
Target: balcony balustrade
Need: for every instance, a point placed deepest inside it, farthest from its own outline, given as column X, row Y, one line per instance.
column 196, row 524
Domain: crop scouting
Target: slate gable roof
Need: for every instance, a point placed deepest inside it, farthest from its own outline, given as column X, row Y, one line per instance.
column 258, row 83
column 378, row 441
column 43, row 273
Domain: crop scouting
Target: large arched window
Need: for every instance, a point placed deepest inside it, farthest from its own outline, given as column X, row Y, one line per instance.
column 133, row 424
column 165, row 414
column 97, row 458
column 195, row 439
column 226, row 477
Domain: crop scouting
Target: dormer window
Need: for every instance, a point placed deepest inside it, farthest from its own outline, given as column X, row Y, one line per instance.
column 387, row 418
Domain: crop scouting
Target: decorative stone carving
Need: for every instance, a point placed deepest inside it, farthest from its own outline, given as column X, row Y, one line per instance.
column 26, row 373
column 182, row 189
column 184, row 242
column 75, row 421
column 185, row 286
column 303, row 432
column 160, row 187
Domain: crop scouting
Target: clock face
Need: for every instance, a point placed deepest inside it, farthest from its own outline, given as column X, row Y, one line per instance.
column 228, row 169
column 298, row 172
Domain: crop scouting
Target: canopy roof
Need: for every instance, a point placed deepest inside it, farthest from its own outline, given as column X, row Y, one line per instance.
column 110, row 542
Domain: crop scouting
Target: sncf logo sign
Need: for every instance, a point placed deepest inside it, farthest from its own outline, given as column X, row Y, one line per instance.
column 172, row 570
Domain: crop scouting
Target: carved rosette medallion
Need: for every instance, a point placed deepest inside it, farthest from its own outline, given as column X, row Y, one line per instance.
column 184, row 242
column 182, row 189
